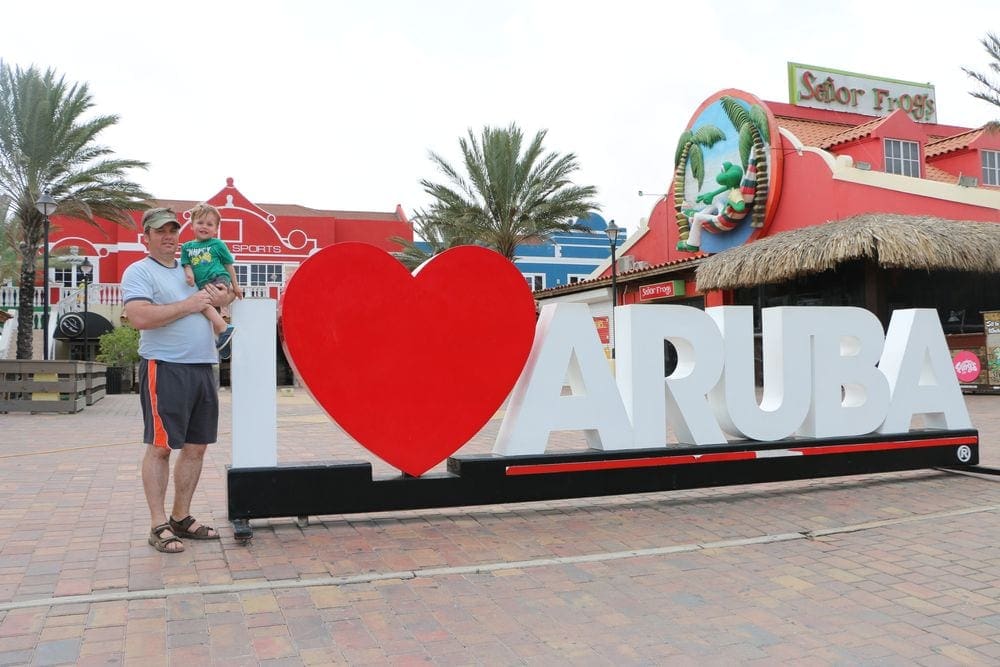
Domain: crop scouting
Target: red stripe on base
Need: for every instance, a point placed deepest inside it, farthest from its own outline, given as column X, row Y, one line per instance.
column 746, row 455
column 884, row 446
column 650, row 462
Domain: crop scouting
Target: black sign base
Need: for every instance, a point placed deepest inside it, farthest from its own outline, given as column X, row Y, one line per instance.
column 302, row 490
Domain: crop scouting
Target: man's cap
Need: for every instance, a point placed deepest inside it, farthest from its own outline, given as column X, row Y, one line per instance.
column 155, row 218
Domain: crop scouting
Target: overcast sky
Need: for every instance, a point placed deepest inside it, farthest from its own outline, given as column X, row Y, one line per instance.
column 336, row 104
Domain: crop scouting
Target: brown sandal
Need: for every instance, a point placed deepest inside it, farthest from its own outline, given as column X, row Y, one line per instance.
column 160, row 543
column 181, row 527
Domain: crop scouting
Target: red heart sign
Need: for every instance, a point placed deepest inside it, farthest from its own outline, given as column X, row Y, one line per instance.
column 411, row 366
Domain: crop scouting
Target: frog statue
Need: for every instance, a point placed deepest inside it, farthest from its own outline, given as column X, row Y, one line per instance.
column 725, row 207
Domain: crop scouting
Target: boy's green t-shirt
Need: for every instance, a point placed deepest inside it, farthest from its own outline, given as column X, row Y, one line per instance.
column 208, row 259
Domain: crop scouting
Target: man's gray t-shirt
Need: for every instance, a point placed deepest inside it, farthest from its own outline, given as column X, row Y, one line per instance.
column 188, row 340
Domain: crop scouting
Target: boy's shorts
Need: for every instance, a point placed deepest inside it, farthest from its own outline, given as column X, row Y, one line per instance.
column 220, row 281
column 179, row 404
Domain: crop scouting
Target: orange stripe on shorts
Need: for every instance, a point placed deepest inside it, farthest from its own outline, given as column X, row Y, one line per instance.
column 159, row 433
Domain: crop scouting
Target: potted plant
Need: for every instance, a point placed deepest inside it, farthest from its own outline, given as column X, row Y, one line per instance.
column 120, row 351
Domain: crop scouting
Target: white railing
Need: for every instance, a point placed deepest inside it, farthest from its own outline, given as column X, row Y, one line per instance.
column 10, row 297
column 99, row 294
column 257, row 292
column 103, row 294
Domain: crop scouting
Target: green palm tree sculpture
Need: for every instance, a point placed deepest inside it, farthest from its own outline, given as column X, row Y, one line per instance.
column 509, row 192
column 48, row 142
column 689, row 153
column 753, row 140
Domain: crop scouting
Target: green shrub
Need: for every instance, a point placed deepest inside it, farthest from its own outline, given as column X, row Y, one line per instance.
column 120, row 347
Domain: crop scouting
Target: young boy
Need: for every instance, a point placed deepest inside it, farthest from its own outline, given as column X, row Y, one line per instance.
column 208, row 260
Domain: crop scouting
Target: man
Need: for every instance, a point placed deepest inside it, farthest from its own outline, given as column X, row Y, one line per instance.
column 180, row 403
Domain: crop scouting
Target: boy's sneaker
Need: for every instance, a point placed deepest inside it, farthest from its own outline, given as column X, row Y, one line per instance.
column 222, row 343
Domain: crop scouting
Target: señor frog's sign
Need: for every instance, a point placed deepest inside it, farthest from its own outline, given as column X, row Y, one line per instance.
column 834, row 90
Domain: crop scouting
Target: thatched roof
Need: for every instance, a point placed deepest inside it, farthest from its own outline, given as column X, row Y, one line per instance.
column 892, row 240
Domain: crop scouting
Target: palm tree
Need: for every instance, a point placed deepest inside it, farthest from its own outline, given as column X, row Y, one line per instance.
column 48, row 141
column 509, row 193
column 689, row 153
column 754, row 137
column 438, row 235
column 991, row 88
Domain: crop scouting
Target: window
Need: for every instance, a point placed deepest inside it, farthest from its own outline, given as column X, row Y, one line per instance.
column 259, row 274
column 574, row 278
column 991, row 167
column 65, row 276
column 536, row 281
column 902, row 157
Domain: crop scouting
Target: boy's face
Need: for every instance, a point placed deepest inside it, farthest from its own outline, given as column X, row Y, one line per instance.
column 205, row 227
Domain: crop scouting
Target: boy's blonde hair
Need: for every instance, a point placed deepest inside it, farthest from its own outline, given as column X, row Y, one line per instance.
column 201, row 210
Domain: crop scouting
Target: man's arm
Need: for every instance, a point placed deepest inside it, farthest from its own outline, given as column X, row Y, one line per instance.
column 144, row 314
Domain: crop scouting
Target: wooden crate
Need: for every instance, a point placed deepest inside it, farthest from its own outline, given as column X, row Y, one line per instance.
column 50, row 386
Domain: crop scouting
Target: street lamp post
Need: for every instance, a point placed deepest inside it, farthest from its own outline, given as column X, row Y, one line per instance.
column 46, row 205
column 612, row 232
column 86, row 268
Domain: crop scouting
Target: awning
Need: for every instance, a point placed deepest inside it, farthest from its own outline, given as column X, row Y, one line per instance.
column 71, row 326
column 891, row 240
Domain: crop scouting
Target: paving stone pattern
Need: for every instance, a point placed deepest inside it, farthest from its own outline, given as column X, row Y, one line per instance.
column 890, row 569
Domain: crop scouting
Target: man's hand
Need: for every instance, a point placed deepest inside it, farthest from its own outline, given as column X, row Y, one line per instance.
column 218, row 296
column 197, row 302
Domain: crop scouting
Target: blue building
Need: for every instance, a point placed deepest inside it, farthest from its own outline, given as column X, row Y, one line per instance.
column 566, row 257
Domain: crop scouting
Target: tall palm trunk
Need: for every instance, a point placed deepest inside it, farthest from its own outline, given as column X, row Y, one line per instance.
column 26, row 309
column 683, row 224
column 762, row 188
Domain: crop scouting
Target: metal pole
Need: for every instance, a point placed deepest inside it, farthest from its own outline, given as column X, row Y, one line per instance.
column 614, row 296
column 45, row 295
column 86, row 347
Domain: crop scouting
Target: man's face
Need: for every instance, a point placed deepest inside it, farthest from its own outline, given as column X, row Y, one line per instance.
column 162, row 242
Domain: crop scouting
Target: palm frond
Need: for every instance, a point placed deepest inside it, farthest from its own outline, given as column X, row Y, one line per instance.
column 49, row 141
column 508, row 191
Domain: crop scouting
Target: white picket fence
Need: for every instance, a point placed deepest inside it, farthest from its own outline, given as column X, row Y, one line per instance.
column 70, row 299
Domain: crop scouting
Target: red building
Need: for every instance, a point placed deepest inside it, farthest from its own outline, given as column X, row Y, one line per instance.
column 774, row 187
column 268, row 242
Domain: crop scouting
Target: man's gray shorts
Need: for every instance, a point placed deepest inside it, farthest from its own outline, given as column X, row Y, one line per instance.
column 180, row 404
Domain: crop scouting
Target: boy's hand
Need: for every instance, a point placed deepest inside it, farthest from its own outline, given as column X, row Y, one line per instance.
column 189, row 280
column 238, row 291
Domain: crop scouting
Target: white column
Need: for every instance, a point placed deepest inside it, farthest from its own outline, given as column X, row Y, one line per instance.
column 253, row 378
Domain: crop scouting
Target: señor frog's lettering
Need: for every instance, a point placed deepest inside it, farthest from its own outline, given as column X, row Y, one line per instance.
column 828, row 372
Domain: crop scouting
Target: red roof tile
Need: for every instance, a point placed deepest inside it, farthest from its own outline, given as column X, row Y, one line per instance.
column 853, row 133
column 932, row 173
column 810, row 132
column 596, row 282
column 949, row 144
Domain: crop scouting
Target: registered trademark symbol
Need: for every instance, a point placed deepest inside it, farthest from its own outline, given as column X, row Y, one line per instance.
column 964, row 453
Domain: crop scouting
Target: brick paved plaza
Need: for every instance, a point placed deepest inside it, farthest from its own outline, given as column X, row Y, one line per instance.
column 900, row 568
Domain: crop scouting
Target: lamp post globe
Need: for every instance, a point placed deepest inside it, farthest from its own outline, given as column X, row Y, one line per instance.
column 46, row 205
